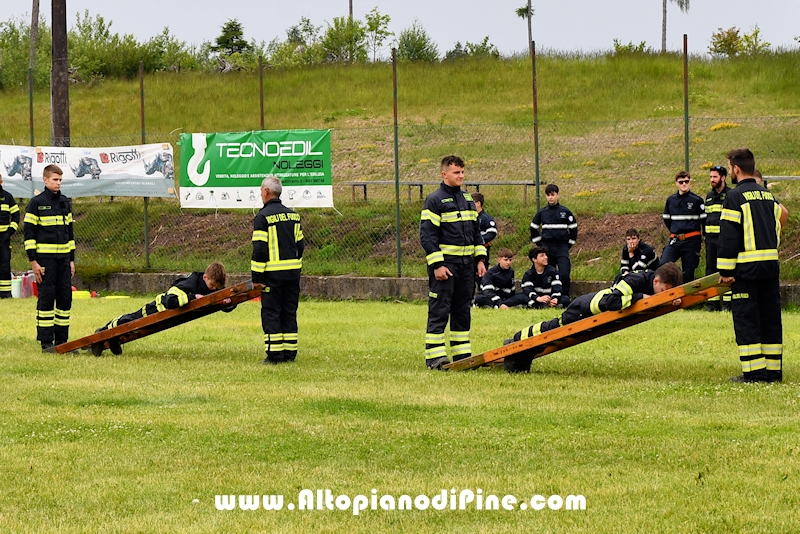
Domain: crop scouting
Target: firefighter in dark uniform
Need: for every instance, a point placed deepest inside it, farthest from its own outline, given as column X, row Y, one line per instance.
column 498, row 287
column 556, row 228
column 180, row 293
column 636, row 254
column 277, row 260
column 488, row 228
column 684, row 214
column 633, row 287
column 9, row 223
column 541, row 282
column 50, row 245
column 714, row 200
column 454, row 251
column 750, row 229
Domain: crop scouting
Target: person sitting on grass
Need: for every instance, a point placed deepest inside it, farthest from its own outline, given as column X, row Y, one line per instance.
column 633, row 287
column 181, row 292
column 541, row 282
column 497, row 285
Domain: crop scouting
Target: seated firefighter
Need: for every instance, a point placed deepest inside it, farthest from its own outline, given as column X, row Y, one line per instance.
column 636, row 254
column 181, row 292
column 631, row 288
column 497, row 285
column 541, row 282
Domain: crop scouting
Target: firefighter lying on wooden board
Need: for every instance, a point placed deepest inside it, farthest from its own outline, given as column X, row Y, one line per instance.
column 181, row 292
column 633, row 287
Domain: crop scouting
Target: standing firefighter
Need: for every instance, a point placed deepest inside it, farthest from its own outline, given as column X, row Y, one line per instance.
column 9, row 223
column 750, row 230
column 714, row 200
column 454, row 251
column 684, row 213
column 50, row 245
column 277, row 260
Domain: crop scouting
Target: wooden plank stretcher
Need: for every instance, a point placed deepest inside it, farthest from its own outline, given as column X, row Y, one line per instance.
column 597, row 325
column 205, row 305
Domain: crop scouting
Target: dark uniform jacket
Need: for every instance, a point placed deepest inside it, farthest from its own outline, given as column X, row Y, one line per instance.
column 488, row 229
column 536, row 285
column 714, row 203
column 183, row 291
column 449, row 228
column 749, row 233
column 644, row 257
column 48, row 227
column 498, row 284
column 630, row 289
column 278, row 243
column 554, row 225
column 9, row 216
column 684, row 214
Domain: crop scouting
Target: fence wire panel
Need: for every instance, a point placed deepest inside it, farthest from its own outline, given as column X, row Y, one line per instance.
column 613, row 167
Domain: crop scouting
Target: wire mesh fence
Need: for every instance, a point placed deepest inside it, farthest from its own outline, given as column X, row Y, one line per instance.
column 611, row 166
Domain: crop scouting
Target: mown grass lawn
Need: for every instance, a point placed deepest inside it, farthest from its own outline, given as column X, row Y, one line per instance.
column 642, row 423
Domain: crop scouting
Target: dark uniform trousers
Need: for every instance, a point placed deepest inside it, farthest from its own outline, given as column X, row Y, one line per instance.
column 279, row 301
column 145, row 311
column 55, row 300
column 5, row 268
column 578, row 309
column 712, row 244
column 757, row 324
column 688, row 250
column 450, row 299
column 558, row 256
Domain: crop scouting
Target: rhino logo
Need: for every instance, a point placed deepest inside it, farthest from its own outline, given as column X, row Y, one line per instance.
column 21, row 165
column 87, row 165
column 162, row 163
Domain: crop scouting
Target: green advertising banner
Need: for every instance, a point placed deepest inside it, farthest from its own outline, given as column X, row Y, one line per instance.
column 225, row 170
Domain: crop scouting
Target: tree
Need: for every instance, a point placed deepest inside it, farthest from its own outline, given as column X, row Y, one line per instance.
column 345, row 41
column 231, row 40
column 526, row 12
column 683, row 5
column 377, row 30
column 729, row 43
column 414, row 44
column 752, row 44
column 301, row 47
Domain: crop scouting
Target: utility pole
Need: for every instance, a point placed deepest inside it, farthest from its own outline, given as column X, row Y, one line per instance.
column 530, row 31
column 59, row 78
column 351, row 9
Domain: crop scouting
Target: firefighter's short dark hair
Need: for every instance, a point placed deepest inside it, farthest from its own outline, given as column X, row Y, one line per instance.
column 216, row 273
column 670, row 274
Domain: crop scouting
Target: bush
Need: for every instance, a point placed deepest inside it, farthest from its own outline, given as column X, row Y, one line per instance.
column 345, row 41
column 414, row 44
column 630, row 48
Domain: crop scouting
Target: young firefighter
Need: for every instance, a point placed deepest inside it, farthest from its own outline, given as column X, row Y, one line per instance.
column 631, row 288
column 454, row 252
column 50, row 245
column 181, row 292
column 636, row 254
column 541, row 282
column 684, row 214
column 555, row 227
column 497, row 285
column 9, row 223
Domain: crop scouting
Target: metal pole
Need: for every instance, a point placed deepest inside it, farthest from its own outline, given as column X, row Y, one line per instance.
column 396, row 168
column 686, row 101
column 535, row 125
column 146, row 199
column 30, row 103
column 261, row 87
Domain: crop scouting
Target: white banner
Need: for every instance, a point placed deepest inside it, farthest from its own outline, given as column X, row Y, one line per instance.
column 133, row 171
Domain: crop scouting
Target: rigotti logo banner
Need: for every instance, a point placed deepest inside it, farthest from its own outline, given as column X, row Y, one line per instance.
column 123, row 171
column 225, row 170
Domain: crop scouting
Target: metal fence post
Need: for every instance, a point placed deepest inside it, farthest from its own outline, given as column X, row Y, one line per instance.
column 146, row 199
column 396, row 167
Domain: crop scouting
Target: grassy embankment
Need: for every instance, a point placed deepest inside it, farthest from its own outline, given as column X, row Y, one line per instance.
column 611, row 136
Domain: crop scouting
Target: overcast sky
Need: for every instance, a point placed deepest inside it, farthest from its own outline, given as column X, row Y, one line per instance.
column 569, row 25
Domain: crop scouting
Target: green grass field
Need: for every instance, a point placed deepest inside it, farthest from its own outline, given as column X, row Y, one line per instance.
column 642, row 423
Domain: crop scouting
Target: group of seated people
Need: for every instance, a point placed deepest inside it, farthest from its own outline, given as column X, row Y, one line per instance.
column 541, row 285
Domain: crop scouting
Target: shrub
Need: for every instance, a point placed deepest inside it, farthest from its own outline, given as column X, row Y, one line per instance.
column 414, row 44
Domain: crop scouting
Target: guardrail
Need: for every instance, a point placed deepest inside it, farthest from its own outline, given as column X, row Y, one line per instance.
column 419, row 185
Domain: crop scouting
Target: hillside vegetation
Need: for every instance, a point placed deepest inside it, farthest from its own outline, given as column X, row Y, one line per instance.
column 611, row 135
